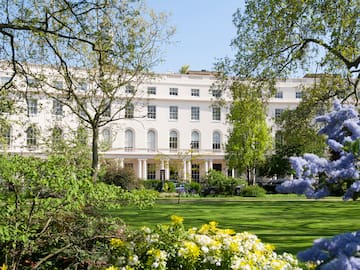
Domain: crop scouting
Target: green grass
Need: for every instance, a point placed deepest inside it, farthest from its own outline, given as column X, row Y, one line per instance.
column 290, row 223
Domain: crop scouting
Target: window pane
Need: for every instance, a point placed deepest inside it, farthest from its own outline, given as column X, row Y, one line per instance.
column 195, row 113
column 173, row 91
column 151, row 140
column 216, row 141
column 57, row 107
column 195, row 140
column 129, row 111
column 195, row 92
column 32, row 106
column 151, row 90
column 129, row 140
column 216, row 113
column 173, row 112
column 151, row 112
column 173, row 140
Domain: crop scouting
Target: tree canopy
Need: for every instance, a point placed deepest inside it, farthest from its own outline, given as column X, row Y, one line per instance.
column 277, row 38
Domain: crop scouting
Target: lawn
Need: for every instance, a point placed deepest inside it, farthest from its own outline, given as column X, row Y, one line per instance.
column 290, row 223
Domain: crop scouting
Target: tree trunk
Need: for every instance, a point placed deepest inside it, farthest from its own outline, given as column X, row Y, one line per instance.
column 95, row 154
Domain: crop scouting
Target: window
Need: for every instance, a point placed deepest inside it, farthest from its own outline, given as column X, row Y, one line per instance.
column 195, row 113
column 57, row 136
column 195, row 140
column 173, row 91
column 195, row 92
column 82, row 110
column 151, row 114
column 33, row 83
column 129, row 166
column 151, row 171
column 106, row 137
column 31, row 139
column 298, row 95
column 5, row 133
column 151, row 141
column 278, row 113
column 107, row 110
column 173, row 140
column 195, row 172
column 58, row 85
column 279, row 139
column 216, row 145
column 129, row 140
column 83, row 86
column 129, row 89
column 4, row 79
column 173, row 112
column 129, row 111
column 151, row 90
column 279, row 94
column 216, row 113
column 32, row 107
column 216, row 93
column 57, row 107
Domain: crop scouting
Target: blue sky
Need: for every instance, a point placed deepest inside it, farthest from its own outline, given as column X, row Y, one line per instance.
column 204, row 30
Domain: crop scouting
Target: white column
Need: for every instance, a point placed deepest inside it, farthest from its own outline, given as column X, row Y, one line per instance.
column 189, row 169
column 167, row 170
column 184, row 170
column 140, row 169
column 144, row 171
column 233, row 172
column 210, row 164
column 162, row 165
column 121, row 162
column 206, row 166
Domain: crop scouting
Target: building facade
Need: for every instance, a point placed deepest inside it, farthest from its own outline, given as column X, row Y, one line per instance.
column 173, row 129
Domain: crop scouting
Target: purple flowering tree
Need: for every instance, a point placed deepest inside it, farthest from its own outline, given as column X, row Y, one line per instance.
column 317, row 177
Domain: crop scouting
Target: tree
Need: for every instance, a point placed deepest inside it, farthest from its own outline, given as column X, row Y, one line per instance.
column 276, row 38
column 184, row 69
column 249, row 137
column 85, row 53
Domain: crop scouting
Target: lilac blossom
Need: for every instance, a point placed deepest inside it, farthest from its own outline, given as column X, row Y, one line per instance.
column 316, row 175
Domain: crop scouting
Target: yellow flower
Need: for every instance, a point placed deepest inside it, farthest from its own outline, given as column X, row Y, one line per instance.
column 112, row 268
column 190, row 251
column 176, row 220
column 4, row 267
column 116, row 243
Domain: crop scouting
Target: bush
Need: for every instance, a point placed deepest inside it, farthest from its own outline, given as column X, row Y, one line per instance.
column 122, row 177
column 153, row 184
column 193, row 187
column 170, row 246
column 253, row 191
column 169, row 187
column 216, row 183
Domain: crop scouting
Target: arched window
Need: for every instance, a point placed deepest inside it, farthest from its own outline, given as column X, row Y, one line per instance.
column 151, row 140
column 195, row 140
column 31, row 139
column 216, row 141
column 5, row 135
column 173, row 140
column 129, row 140
column 57, row 135
column 106, row 137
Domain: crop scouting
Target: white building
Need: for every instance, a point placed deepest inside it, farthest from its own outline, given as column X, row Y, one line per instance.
column 175, row 132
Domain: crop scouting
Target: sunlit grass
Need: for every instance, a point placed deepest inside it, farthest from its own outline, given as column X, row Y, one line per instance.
column 290, row 223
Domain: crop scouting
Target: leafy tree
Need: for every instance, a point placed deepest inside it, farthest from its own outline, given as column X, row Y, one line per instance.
column 249, row 138
column 108, row 45
column 276, row 38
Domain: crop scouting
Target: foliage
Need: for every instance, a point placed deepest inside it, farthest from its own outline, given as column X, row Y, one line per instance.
column 253, row 191
column 153, row 184
column 249, row 137
column 48, row 212
column 170, row 246
column 193, row 187
column 318, row 177
column 276, row 164
column 84, row 60
column 169, row 186
column 339, row 252
column 122, row 177
column 277, row 38
column 217, row 183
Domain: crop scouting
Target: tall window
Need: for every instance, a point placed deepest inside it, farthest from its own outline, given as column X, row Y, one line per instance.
column 195, row 92
column 151, row 140
column 298, row 95
column 83, row 86
column 107, row 110
column 151, row 90
column 106, row 136
column 216, row 145
column 151, row 171
column 216, row 113
column 57, row 107
column 57, row 135
column 151, row 114
column 195, row 140
column 195, row 172
column 173, row 112
column 129, row 111
column 173, row 91
column 129, row 140
column 216, row 93
column 32, row 106
column 173, row 140
column 5, row 135
column 278, row 113
column 31, row 139
column 195, row 113
column 279, row 139
column 279, row 94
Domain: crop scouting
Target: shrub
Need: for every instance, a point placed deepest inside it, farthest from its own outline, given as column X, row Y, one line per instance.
column 217, row 183
column 253, row 191
column 170, row 246
column 169, row 187
column 193, row 187
column 153, row 184
column 122, row 177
